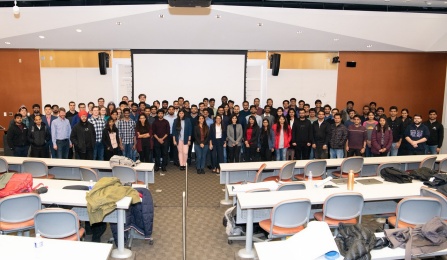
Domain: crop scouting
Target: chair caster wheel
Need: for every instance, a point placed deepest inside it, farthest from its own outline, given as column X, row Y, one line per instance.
column 230, row 242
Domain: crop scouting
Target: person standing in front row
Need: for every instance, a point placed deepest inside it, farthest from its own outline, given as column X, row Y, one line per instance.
column 251, row 137
column 218, row 137
column 201, row 144
column 145, row 144
column 39, row 136
column 111, row 140
column 98, row 122
column 18, row 137
column 436, row 129
column 126, row 128
column 181, row 133
column 357, row 136
column 283, row 136
column 321, row 135
column 416, row 135
column 160, row 131
column 83, row 137
column 234, row 139
column 266, row 141
column 60, row 135
column 381, row 138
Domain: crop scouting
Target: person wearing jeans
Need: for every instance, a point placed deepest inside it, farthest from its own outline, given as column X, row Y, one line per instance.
column 339, row 135
column 126, row 129
column 99, row 125
column 60, row 135
column 218, row 142
column 201, row 143
column 283, row 136
column 160, row 131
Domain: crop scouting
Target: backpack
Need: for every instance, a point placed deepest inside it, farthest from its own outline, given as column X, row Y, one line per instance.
column 392, row 174
column 122, row 160
column 17, row 183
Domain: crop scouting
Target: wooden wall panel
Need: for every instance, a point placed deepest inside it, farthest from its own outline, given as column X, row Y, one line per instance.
column 71, row 59
column 121, row 54
column 301, row 60
column 412, row 80
column 20, row 82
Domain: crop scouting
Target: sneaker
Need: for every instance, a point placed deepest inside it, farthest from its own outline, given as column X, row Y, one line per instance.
column 163, row 168
column 156, row 168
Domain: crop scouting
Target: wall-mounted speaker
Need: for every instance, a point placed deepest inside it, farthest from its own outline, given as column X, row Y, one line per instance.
column 351, row 64
column 336, row 59
column 275, row 60
column 103, row 59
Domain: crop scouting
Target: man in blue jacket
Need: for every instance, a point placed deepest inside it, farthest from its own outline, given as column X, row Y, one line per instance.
column 416, row 135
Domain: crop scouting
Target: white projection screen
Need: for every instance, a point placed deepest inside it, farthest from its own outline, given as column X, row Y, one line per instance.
column 193, row 75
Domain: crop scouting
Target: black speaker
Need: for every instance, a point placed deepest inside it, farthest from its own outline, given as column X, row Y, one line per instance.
column 189, row 3
column 336, row 59
column 275, row 60
column 103, row 59
column 351, row 64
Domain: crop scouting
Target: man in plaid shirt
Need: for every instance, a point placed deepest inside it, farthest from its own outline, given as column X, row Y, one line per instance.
column 126, row 128
column 99, row 124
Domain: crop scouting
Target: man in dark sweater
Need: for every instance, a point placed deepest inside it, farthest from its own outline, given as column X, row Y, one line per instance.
column 160, row 129
column 357, row 136
column 18, row 137
column 339, row 135
column 39, row 136
column 436, row 129
column 302, row 136
column 321, row 133
column 83, row 137
column 416, row 135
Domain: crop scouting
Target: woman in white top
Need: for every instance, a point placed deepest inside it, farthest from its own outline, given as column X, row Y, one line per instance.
column 218, row 142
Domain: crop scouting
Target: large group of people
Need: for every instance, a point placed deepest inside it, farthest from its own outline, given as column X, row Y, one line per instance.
column 165, row 132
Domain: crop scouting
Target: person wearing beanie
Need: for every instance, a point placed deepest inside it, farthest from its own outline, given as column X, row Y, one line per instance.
column 83, row 137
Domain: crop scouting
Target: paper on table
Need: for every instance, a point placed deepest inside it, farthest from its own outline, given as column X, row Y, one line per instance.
column 271, row 185
column 312, row 242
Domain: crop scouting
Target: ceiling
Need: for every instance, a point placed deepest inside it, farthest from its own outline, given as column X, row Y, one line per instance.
column 222, row 26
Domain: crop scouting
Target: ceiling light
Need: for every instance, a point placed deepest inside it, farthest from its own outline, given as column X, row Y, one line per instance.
column 428, row 3
column 336, row 40
column 8, row 43
column 78, row 30
column 41, row 37
column 161, row 16
column 260, row 24
column 299, row 32
column 368, row 46
column 119, row 23
column 386, row 0
column 15, row 8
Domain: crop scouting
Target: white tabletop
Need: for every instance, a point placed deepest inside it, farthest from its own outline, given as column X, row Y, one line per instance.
column 15, row 247
column 71, row 163
column 274, row 165
column 377, row 192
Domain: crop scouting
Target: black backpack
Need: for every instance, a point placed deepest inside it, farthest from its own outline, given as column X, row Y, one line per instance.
column 392, row 174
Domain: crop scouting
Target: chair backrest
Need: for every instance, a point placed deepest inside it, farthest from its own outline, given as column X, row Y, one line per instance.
column 443, row 166
column 88, row 174
column 387, row 165
column 317, row 167
column 342, row 206
column 354, row 164
column 290, row 213
column 124, row 173
column 259, row 172
column 291, row 186
column 3, row 165
column 428, row 162
column 258, row 190
column 37, row 168
column 427, row 192
column 19, row 208
column 56, row 223
column 417, row 210
column 286, row 171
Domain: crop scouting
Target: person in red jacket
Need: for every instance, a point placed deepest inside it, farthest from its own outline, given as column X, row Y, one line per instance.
column 283, row 136
column 381, row 138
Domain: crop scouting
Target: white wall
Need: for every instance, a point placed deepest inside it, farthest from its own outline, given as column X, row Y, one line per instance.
column 62, row 85
column 305, row 84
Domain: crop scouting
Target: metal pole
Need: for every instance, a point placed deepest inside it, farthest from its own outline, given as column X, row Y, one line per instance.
column 184, row 226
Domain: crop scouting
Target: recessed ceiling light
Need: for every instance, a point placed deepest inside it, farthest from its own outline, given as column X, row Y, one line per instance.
column 218, row 16
column 336, row 40
column 299, row 32
column 260, row 24
column 119, row 23
column 368, row 46
column 41, row 37
column 8, row 43
column 386, row 0
column 161, row 16
column 428, row 3
column 78, row 30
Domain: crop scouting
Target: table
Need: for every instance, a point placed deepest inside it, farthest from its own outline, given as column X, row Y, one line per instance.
column 235, row 172
column 371, row 193
column 68, row 168
column 276, row 250
column 18, row 247
column 76, row 198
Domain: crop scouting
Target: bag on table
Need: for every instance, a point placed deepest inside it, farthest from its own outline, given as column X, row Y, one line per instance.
column 122, row 160
column 16, row 183
column 392, row 174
